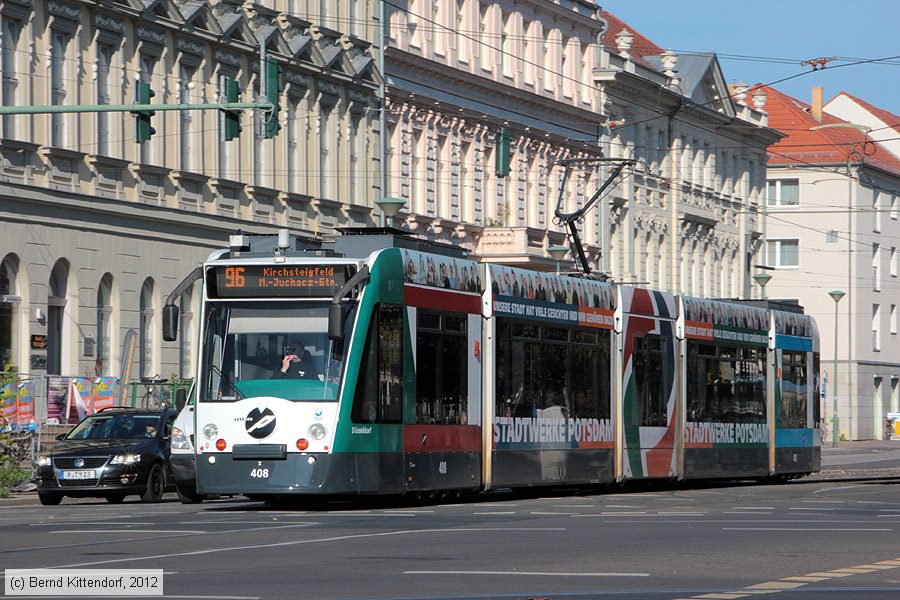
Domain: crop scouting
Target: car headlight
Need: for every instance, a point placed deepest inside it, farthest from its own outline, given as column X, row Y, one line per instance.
column 125, row 459
column 179, row 440
column 210, row 431
column 317, row 431
column 44, row 461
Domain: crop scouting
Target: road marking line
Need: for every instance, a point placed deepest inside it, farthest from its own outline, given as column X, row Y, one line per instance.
column 681, row 514
column 564, row 514
column 527, row 573
column 809, row 529
column 499, row 512
column 776, row 585
column 895, row 563
column 806, row 578
column 853, row 570
column 876, row 566
column 829, row 575
column 753, row 507
column 723, row 596
column 185, row 531
column 83, row 523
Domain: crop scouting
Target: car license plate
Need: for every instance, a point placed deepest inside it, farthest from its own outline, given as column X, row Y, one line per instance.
column 84, row 474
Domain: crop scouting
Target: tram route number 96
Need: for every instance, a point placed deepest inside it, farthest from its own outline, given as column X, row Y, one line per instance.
column 259, row 473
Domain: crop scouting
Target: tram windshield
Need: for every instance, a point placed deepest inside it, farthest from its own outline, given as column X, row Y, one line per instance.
column 272, row 349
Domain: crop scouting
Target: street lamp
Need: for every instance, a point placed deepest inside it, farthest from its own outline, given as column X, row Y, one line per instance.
column 762, row 279
column 836, row 295
column 557, row 253
column 389, row 207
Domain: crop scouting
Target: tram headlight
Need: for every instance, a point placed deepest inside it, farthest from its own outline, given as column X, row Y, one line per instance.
column 210, row 431
column 317, row 431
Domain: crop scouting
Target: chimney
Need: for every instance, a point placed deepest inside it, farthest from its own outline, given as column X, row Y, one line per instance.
column 816, row 109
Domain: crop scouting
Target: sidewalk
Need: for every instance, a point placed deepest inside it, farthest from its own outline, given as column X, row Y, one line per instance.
column 862, row 459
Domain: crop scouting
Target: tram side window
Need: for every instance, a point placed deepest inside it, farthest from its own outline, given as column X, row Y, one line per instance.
column 591, row 374
column 562, row 371
column 442, row 374
column 817, row 391
column 725, row 384
column 378, row 397
column 793, row 390
column 649, row 379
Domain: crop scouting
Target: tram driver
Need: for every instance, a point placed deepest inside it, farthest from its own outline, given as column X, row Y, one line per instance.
column 297, row 363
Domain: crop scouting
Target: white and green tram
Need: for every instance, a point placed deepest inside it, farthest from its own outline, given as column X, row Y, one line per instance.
column 420, row 370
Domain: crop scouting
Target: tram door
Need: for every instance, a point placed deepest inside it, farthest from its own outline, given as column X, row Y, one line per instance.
column 649, row 399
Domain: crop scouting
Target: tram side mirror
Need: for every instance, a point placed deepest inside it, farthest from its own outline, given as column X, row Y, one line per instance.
column 180, row 398
column 170, row 322
column 336, row 319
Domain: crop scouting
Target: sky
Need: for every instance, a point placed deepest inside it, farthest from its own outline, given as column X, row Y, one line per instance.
column 766, row 40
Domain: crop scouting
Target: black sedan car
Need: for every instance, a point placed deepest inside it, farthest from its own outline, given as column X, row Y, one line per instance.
column 110, row 454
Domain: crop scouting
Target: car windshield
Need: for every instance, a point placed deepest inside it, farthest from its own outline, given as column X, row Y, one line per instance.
column 275, row 349
column 117, row 426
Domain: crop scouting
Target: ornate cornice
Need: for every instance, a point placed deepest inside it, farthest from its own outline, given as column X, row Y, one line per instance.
column 62, row 9
column 227, row 57
column 109, row 23
column 149, row 34
column 189, row 46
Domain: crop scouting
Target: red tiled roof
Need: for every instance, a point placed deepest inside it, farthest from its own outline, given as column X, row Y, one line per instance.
column 640, row 46
column 885, row 116
column 828, row 145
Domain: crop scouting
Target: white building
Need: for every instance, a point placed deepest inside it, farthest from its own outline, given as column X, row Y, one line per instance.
column 571, row 81
column 95, row 229
column 833, row 224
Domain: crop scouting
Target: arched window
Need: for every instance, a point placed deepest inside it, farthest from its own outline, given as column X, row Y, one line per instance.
column 56, row 310
column 146, row 329
column 104, row 325
column 9, row 305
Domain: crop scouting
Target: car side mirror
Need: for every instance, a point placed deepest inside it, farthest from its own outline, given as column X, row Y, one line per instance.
column 61, row 436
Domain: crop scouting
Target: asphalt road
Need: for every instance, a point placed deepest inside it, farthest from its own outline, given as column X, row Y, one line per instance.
column 825, row 539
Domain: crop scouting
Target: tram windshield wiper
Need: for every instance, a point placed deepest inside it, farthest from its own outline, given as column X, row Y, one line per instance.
column 238, row 395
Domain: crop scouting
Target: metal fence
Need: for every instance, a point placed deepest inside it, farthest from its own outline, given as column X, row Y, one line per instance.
column 61, row 401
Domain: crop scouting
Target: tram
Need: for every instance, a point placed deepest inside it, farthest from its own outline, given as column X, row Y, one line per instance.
column 379, row 363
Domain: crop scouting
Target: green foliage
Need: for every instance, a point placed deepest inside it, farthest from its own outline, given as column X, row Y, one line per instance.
column 10, row 476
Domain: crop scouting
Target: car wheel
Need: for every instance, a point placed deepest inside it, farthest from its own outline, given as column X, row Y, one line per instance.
column 50, row 499
column 115, row 498
column 188, row 495
column 156, row 484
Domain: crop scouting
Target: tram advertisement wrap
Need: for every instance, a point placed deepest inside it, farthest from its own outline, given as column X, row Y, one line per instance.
column 723, row 322
column 541, row 433
column 725, row 435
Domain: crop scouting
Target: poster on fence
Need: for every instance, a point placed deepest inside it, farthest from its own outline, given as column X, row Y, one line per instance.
column 8, row 397
column 57, row 399
column 104, row 393
column 25, row 405
column 80, row 397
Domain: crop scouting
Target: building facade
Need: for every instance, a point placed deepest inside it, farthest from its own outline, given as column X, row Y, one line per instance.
column 832, row 225
column 570, row 81
column 97, row 229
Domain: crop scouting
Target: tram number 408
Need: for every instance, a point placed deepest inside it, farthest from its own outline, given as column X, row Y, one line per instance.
column 259, row 473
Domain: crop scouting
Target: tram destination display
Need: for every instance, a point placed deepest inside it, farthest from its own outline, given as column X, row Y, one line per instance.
column 281, row 281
